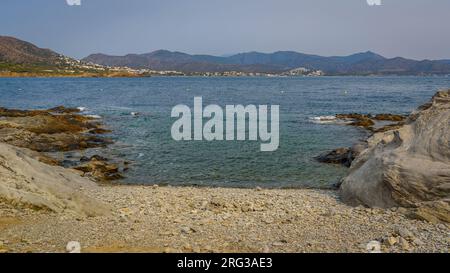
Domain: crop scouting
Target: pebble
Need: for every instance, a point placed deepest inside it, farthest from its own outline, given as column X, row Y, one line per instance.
column 73, row 247
column 373, row 247
column 247, row 207
column 279, row 243
column 404, row 244
column 405, row 233
column 204, row 204
column 282, row 221
column 418, row 242
column 392, row 240
column 186, row 230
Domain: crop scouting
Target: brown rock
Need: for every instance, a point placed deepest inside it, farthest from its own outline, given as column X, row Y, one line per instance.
column 100, row 170
column 63, row 110
column 389, row 117
column 343, row 156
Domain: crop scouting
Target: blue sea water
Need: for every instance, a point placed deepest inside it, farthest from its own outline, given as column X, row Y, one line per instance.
column 146, row 141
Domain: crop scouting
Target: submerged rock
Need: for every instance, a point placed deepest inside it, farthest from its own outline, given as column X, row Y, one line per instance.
column 342, row 156
column 98, row 168
column 389, row 117
column 408, row 167
column 377, row 123
column 57, row 129
column 64, row 110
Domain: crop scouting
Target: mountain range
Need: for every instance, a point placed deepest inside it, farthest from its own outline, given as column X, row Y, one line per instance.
column 15, row 51
column 365, row 63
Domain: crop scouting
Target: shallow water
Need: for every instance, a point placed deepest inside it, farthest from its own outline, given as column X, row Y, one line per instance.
column 146, row 140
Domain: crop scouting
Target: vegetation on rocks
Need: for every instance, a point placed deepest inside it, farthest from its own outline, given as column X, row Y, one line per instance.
column 59, row 129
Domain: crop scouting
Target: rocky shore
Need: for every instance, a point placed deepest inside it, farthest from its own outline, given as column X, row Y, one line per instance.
column 44, row 206
column 60, row 130
column 403, row 163
column 408, row 166
column 174, row 219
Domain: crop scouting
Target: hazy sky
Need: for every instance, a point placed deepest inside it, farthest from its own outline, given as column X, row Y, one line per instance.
column 410, row 28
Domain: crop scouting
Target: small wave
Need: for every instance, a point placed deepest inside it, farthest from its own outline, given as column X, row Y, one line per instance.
column 329, row 120
column 82, row 109
column 323, row 119
column 119, row 108
column 94, row 116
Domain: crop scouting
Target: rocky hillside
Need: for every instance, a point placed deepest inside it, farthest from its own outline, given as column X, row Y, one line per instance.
column 13, row 50
column 22, row 59
column 408, row 167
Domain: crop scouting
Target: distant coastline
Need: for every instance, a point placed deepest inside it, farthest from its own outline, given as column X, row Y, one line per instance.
column 23, row 59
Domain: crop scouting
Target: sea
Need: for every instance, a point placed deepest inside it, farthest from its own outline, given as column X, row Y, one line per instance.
column 138, row 111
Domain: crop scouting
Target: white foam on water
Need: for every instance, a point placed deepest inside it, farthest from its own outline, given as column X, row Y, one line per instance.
column 94, row 116
column 323, row 119
column 81, row 108
column 329, row 120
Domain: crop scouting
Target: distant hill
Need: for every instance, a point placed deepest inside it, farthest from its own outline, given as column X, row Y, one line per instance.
column 22, row 59
column 444, row 61
column 365, row 63
column 17, row 56
column 178, row 61
column 16, row 51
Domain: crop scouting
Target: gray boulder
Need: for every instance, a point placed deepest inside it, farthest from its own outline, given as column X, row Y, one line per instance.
column 26, row 181
column 407, row 167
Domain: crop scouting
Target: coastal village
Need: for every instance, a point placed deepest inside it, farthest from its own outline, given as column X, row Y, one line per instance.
column 150, row 72
column 68, row 67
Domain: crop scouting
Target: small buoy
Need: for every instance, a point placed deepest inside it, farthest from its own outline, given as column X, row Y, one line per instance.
column 73, row 247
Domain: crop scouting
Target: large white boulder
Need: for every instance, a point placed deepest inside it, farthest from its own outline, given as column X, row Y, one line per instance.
column 408, row 167
column 26, row 181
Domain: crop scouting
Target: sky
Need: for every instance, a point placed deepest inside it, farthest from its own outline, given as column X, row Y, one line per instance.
column 417, row 29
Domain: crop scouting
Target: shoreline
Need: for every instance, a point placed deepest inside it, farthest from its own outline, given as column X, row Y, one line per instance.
column 206, row 220
column 47, row 206
column 93, row 76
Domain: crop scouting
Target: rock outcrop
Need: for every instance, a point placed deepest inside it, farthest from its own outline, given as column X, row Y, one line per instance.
column 56, row 129
column 373, row 123
column 408, row 166
column 26, row 181
column 342, row 156
column 98, row 168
